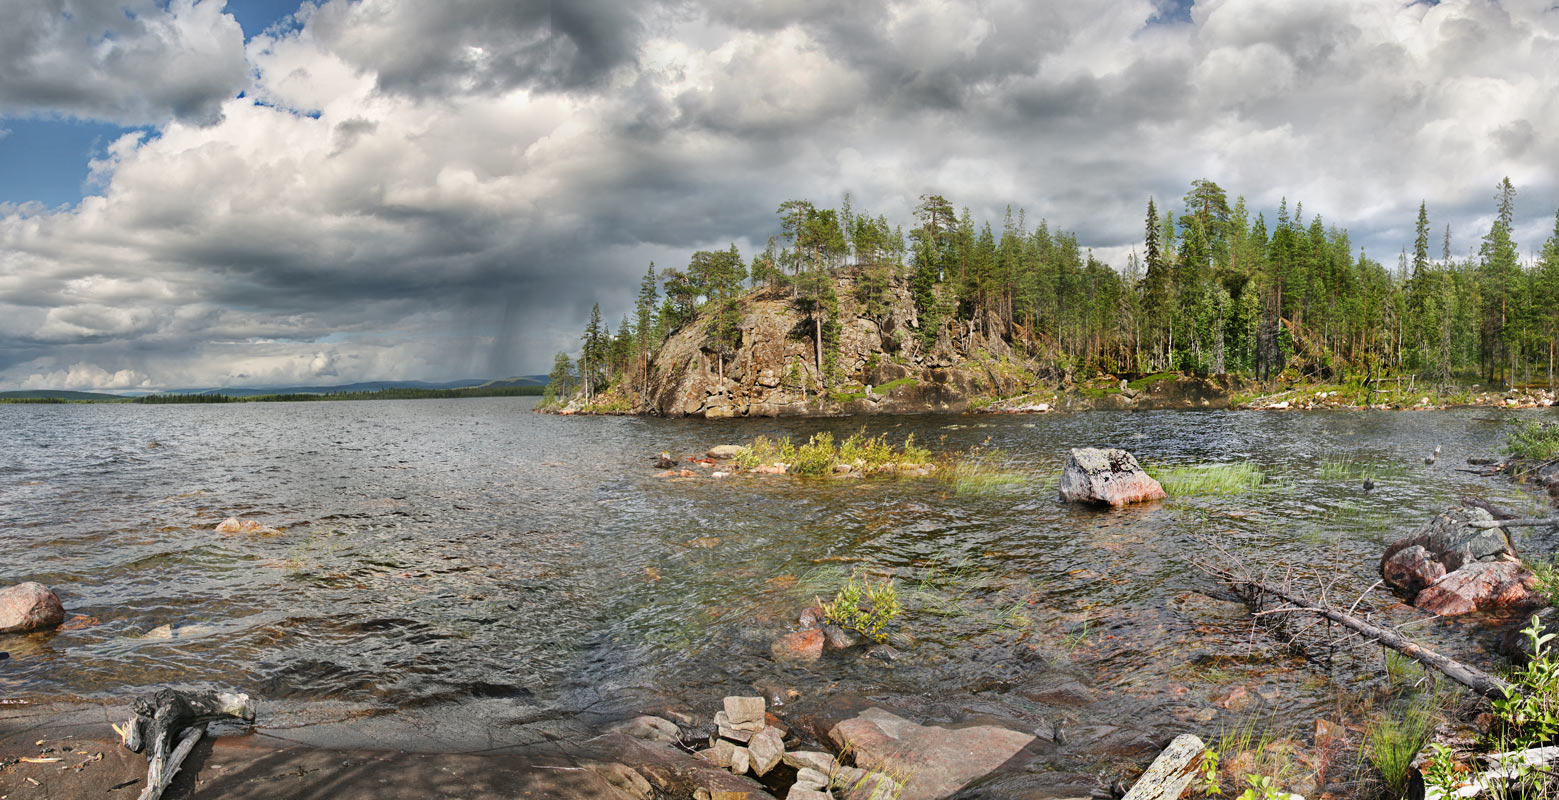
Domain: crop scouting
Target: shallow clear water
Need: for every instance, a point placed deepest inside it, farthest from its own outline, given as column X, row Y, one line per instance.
column 467, row 552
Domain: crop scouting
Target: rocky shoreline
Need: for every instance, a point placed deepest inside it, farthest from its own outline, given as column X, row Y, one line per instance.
column 1163, row 394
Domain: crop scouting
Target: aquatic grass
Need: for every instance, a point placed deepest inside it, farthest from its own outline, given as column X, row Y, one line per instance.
column 1393, row 739
column 1534, row 440
column 1402, row 671
column 981, row 473
column 1248, row 749
column 1210, row 479
column 1349, row 469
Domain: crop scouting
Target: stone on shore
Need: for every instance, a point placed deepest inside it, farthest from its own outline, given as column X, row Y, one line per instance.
column 942, row 760
column 1449, row 567
column 724, row 451
column 1107, row 477
column 810, row 759
column 765, row 750
column 29, row 606
column 745, row 713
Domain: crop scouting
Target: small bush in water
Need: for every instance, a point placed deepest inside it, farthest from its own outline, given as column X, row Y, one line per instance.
column 864, row 607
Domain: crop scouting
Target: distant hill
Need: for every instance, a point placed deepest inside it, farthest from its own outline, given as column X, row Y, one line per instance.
column 263, row 391
column 58, row 394
column 362, row 386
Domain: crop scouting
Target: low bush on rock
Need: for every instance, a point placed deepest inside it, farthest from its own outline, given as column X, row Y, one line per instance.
column 1538, row 441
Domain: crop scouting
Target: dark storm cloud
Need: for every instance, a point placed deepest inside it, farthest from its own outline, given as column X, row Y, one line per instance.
column 427, row 48
column 128, row 61
column 443, row 190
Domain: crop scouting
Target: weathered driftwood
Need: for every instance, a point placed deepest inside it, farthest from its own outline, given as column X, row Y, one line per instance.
column 1473, row 678
column 171, row 722
column 1504, row 770
column 1515, row 523
column 1171, row 772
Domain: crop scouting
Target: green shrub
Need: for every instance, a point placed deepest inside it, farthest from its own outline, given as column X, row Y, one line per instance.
column 864, row 607
column 1535, row 440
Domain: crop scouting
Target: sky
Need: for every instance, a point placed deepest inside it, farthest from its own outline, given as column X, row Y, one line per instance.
column 251, row 193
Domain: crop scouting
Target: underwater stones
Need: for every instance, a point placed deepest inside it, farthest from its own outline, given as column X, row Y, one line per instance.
column 1109, row 477
column 942, row 760
column 235, row 525
column 1450, row 567
column 799, row 647
column 649, row 728
column 29, row 606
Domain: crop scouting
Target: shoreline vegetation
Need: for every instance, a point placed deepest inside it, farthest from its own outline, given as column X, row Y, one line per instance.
column 844, row 313
column 296, row 397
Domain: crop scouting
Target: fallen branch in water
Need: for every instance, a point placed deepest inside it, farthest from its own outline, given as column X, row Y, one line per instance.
column 172, row 722
column 1258, row 591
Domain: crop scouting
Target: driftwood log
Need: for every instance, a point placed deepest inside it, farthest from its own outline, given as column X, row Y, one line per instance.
column 1171, row 772
column 1533, row 522
column 167, row 725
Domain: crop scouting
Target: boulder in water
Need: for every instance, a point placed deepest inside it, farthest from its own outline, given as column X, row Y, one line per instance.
column 235, row 525
column 723, row 451
column 1450, row 566
column 665, row 461
column 29, row 606
column 1108, row 477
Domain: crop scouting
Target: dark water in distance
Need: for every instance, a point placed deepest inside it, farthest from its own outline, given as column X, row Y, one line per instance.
column 468, row 553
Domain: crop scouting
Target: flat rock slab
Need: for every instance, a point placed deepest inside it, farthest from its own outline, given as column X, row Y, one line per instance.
column 241, row 768
column 934, row 762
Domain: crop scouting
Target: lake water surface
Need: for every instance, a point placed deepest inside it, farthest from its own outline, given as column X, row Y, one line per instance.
column 473, row 558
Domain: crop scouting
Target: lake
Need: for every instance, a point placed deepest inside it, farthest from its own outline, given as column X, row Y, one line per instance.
column 473, row 560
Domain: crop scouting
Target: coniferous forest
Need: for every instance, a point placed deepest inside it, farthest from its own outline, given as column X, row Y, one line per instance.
column 1215, row 289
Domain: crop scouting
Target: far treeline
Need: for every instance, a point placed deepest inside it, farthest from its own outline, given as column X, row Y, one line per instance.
column 1214, row 292
column 381, row 394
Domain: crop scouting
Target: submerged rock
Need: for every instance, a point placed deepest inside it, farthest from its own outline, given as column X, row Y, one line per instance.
column 235, row 525
column 941, row 760
column 1106, row 476
column 801, row 646
column 29, row 606
column 1449, row 567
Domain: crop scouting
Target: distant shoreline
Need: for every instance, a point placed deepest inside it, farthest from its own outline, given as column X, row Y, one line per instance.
column 381, row 394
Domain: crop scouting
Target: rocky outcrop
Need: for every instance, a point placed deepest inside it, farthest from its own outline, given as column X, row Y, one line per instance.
column 28, row 607
column 1106, row 477
column 880, row 364
column 941, row 760
column 1450, row 566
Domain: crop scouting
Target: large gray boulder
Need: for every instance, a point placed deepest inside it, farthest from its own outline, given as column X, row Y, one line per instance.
column 29, row 606
column 1109, row 477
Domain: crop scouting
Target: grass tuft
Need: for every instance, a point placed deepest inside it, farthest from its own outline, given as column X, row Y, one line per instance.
column 1203, row 479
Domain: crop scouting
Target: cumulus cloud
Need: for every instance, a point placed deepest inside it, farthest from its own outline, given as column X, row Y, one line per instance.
column 442, row 190
column 128, row 61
